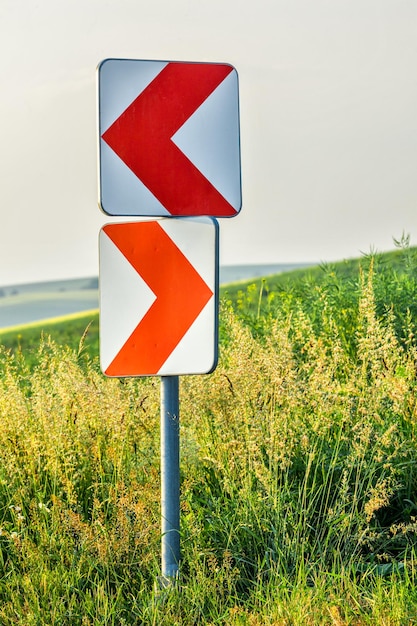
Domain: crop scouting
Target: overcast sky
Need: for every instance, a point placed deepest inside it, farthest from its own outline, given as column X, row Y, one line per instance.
column 328, row 106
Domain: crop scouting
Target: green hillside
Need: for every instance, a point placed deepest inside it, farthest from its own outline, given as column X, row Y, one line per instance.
column 299, row 480
column 394, row 283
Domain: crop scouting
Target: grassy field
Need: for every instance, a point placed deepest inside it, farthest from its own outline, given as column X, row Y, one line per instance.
column 298, row 464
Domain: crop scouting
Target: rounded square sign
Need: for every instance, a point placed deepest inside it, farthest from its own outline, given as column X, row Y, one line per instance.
column 169, row 142
column 159, row 297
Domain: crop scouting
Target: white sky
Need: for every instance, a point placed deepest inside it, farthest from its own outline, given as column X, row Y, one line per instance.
column 328, row 104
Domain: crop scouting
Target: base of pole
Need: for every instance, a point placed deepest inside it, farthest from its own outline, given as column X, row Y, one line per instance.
column 165, row 586
column 168, row 582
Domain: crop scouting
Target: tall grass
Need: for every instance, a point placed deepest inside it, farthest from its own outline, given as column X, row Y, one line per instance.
column 299, row 493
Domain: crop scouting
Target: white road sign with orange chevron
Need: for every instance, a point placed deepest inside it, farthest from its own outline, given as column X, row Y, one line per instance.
column 159, row 297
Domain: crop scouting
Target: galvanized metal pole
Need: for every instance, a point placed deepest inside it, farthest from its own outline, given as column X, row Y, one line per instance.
column 170, row 478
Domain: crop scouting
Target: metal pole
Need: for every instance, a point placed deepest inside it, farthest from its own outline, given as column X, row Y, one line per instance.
column 170, row 478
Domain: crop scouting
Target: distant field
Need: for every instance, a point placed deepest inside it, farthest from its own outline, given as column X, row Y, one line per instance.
column 24, row 304
column 64, row 309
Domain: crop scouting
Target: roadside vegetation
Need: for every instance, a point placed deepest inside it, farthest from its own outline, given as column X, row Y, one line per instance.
column 298, row 463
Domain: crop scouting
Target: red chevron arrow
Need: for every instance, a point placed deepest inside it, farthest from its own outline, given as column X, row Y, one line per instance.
column 181, row 294
column 141, row 137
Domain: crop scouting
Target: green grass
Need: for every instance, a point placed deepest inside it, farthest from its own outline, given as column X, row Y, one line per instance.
column 299, row 487
column 78, row 331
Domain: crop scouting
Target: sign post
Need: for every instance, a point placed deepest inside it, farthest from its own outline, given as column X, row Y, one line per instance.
column 169, row 147
column 170, row 479
column 159, row 316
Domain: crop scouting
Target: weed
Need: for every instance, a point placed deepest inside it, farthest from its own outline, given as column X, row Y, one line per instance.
column 298, row 468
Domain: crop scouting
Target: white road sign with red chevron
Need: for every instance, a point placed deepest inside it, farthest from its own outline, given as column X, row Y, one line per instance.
column 168, row 138
column 159, row 297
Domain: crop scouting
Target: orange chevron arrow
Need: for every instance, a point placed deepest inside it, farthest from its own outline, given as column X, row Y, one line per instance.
column 181, row 294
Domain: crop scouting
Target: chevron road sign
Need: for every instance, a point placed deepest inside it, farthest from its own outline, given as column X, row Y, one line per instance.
column 169, row 151
column 168, row 138
column 159, row 297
